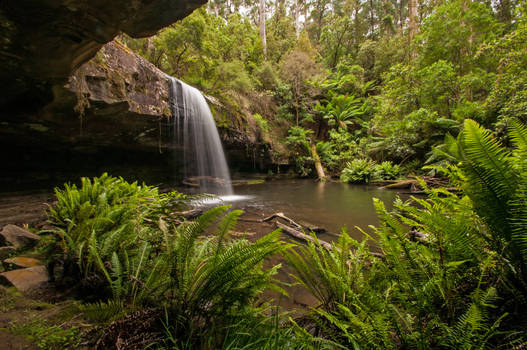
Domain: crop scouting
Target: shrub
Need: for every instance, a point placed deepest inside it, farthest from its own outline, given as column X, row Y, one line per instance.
column 387, row 170
column 433, row 290
column 366, row 170
column 359, row 171
column 266, row 76
column 103, row 216
column 262, row 123
column 120, row 236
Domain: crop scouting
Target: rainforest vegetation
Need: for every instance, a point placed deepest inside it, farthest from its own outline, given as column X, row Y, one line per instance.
column 448, row 272
column 349, row 90
column 367, row 83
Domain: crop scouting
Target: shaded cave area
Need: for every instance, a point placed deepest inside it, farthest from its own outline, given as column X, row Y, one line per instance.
column 37, row 157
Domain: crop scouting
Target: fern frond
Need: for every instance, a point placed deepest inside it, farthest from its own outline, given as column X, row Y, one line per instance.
column 226, row 225
column 103, row 311
column 491, row 181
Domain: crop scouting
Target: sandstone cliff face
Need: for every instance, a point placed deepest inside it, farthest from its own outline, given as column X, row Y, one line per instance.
column 116, row 75
column 114, row 112
column 116, row 99
column 129, row 95
column 71, row 107
column 43, row 41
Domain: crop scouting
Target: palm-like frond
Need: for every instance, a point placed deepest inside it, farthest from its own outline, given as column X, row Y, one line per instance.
column 103, row 311
column 496, row 185
column 491, row 181
column 518, row 134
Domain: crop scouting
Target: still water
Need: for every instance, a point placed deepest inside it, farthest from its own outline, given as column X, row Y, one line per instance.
column 330, row 205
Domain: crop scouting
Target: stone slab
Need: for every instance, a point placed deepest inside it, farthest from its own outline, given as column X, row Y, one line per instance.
column 17, row 237
column 25, row 279
column 20, row 262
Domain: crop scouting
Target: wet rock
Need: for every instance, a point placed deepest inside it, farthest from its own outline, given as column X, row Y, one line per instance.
column 6, row 252
column 43, row 41
column 17, row 237
column 25, row 279
column 118, row 80
column 301, row 297
column 21, row 262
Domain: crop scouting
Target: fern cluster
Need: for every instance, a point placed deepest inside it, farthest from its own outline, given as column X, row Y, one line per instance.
column 102, row 218
column 447, row 271
column 452, row 269
column 366, row 170
column 116, row 233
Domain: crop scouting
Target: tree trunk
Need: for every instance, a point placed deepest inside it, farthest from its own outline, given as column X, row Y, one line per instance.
column 318, row 163
column 279, row 10
column 372, row 19
column 412, row 13
column 321, row 10
column 305, row 7
column 297, row 18
column 262, row 28
column 401, row 15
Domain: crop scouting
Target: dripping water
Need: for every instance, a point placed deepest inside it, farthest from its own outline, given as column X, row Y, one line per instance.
column 194, row 130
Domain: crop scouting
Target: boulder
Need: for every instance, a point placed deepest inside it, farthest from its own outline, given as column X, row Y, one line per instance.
column 25, row 279
column 17, row 237
column 21, row 262
column 6, row 251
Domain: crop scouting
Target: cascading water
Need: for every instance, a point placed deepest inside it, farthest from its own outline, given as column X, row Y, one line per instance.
column 195, row 131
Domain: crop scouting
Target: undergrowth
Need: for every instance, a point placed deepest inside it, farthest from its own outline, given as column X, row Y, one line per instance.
column 48, row 337
column 448, row 271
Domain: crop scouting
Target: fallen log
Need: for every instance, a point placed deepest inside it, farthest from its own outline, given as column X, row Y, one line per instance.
column 306, row 238
column 401, row 185
column 281, row 216
column 302, row 236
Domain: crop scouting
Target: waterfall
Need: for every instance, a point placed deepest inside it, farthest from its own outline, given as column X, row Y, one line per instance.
column 195, row 131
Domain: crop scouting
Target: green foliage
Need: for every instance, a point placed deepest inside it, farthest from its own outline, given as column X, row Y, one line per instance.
column 48, row 337
column 366, row 170
column 448, row 265
column 142, row 259
column 266, row 76
column 411, row 136
column 341, row 110
column 508, row 100
column 388, row 171
column 206, row 51
column 298, row 139
column 454, row 31
column 211, row 279
column 495, row 184
column 262, row 123
column 104, row 217
column 342, row 148
column 103, row 311
column 358, row 171
column 410, row 296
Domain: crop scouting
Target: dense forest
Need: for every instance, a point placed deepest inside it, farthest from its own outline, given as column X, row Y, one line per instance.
column 368, row 87
column 343, row 90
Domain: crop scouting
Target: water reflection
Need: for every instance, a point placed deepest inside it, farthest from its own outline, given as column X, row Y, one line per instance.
column 329, row 205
